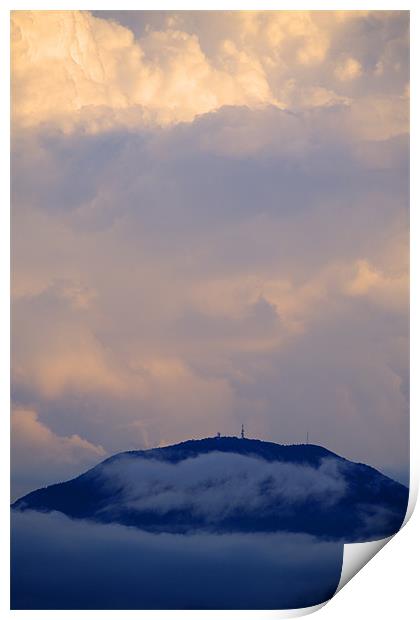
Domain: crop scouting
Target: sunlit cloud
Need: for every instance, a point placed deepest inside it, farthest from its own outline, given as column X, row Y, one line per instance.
column 99, row 75
column 210, row 227
column 35, row 447
column 348, row 69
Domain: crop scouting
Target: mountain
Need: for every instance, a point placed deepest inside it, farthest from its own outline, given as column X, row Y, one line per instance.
column 226, row 485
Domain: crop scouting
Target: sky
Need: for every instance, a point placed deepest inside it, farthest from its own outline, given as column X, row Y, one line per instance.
column 209, row 228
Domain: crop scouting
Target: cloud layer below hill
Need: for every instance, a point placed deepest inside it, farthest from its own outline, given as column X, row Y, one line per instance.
column 62, row 564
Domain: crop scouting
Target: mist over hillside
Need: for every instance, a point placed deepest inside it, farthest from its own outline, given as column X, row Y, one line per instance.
column 229, row 485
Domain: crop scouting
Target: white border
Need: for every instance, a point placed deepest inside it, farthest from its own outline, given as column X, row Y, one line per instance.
column 343, row 606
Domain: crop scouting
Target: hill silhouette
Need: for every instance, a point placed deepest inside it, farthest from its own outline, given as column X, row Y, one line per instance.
column 227, row 484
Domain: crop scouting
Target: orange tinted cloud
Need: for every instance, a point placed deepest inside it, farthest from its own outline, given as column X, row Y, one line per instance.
column 73, row 70
column 182, row 278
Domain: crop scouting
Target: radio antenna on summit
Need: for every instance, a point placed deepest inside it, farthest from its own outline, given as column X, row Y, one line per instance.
column 242, row 432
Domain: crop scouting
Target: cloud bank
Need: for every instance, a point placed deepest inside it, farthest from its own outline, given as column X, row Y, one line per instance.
column 58, row 563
